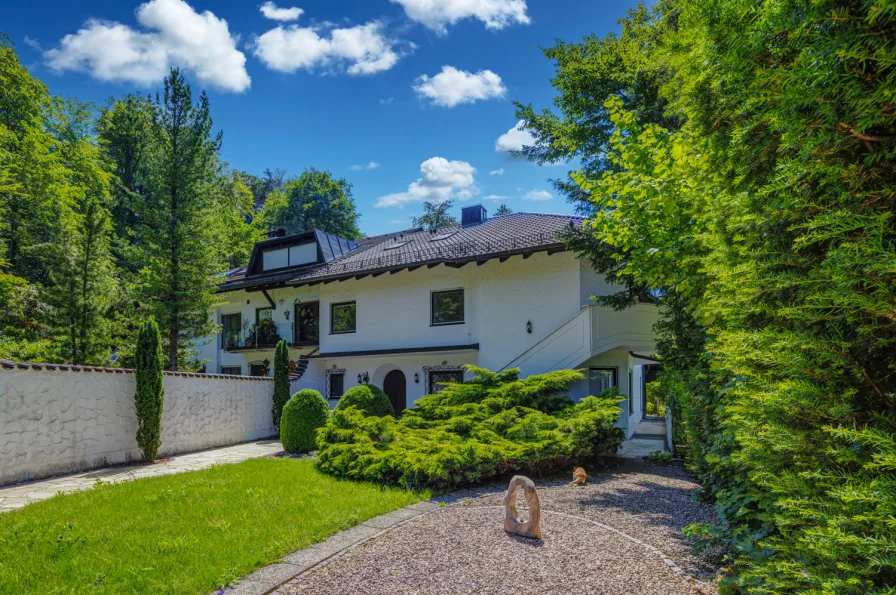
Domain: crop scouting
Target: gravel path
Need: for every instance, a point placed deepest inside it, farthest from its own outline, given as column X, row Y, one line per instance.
column 652, row 503
column 464, row 549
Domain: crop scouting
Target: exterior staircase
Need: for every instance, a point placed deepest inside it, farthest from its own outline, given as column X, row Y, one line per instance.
column 301, row 366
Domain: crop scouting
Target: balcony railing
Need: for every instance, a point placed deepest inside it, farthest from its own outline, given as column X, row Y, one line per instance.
column 258, row 337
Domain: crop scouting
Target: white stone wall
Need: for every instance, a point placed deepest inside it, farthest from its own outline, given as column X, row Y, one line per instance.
column 57, row 421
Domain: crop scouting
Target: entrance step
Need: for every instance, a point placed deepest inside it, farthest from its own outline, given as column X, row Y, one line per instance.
column 638, row 448
column 656, row 427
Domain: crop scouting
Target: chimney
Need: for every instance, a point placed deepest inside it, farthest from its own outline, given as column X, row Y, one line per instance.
column 473, row 215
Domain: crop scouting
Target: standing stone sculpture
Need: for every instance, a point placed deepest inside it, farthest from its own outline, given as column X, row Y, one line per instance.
column 512, row 522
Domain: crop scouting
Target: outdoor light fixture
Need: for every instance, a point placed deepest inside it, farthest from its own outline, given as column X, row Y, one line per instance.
column 363, row 378
column 416, row 378
column 286, row 314
column 529, row 327
column 267, row 363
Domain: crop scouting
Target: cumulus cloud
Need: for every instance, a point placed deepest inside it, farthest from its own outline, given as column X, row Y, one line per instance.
column 514, row 139
column 497, row 172
column 436, row 14
column 452, row 86
column 369, row 166
column 174, row 35
column 538, row 195
column 439, row 180
column 361, row 49
column 275, row 13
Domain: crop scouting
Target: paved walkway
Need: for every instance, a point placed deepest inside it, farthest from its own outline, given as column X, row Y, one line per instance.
column 19, row 495
column 626, row 525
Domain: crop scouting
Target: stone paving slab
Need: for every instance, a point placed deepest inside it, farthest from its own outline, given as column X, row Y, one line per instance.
column 19, row 495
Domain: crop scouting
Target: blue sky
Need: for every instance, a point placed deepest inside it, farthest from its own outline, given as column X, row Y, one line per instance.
column 406, row 99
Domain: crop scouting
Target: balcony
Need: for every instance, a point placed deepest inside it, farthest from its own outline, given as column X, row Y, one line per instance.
column 259, row 337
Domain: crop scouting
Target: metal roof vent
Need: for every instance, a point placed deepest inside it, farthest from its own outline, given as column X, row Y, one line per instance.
column 473, row 215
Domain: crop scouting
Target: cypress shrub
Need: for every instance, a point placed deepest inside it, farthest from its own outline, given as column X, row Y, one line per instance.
column 305, row 412
column 150, row 391
column 281, row 380
column 369, row 399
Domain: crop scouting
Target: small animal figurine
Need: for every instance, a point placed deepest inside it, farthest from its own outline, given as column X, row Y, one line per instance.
column 579, row 477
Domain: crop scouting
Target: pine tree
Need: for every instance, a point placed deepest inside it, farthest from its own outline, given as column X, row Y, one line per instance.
column 281, row 380
column 502, row 210
column 150, row 394
column 174, row 251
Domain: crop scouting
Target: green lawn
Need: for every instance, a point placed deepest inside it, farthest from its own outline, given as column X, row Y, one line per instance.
column 187, row 533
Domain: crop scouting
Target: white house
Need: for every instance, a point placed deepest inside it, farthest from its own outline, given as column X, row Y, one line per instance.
column 405, row 311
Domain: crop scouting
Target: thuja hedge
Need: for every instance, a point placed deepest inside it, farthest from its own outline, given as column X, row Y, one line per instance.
column 471, row 431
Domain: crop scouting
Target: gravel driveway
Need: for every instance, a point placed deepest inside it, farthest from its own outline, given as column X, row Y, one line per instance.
column 463, row 548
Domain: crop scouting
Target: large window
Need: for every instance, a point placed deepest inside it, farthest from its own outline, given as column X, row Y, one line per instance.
column 231, row 328
column 437, row 380
column 600, row 379
column 448, row 307
column 342, row 317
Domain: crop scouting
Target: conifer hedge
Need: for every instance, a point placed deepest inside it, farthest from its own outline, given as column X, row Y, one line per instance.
column 150, row 393
column 472, row 431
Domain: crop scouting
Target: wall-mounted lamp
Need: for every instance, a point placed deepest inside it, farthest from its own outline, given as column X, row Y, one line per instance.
column 416, row 378
column 363, row 378
column 286, row 314
column 529, row 327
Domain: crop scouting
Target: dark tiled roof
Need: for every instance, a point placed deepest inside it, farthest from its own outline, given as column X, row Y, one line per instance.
column 509, row 234
column 517, row 233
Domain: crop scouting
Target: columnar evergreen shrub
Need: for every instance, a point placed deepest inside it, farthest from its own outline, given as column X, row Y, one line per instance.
column 472, row 431
column 281, row 380
column 150, row 391
column 369, row 399
column 305, row 412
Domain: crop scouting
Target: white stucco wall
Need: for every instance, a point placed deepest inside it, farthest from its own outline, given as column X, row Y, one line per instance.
column 64, row 421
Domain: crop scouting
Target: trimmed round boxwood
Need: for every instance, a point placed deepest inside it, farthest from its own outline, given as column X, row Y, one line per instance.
column 367, row 398
column 302, row 415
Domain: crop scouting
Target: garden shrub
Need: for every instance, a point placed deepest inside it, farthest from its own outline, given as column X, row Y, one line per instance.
column 281, row 380
column 303, row 414
column 369, row 399
column 150, row 393
column 472, row 431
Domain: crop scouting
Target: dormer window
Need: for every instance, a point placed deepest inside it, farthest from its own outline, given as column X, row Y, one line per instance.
column 289, row 256
column 397, row 245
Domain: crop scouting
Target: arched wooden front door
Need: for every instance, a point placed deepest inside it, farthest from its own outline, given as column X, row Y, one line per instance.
column 394, row 386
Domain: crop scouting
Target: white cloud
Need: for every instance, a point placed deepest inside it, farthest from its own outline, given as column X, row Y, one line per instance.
column 175, row 35
column 514, row 139
column 387, row 100
column 440, row 180
column 275, row 13
column 497, row 172
column 496, row 197
column 435, row 14
column 369, row 166
column 364, row 49
column 452, row 86
column 33, row 44
column 538, row 195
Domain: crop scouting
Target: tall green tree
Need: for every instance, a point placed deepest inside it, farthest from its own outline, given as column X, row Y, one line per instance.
column 759, row 208
column 502, row 210
column 125, row 133
column 174, row 241
column 82, row 284
column 435, row 215
column 314, row 200
column 149, row 397
column 29, row 168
